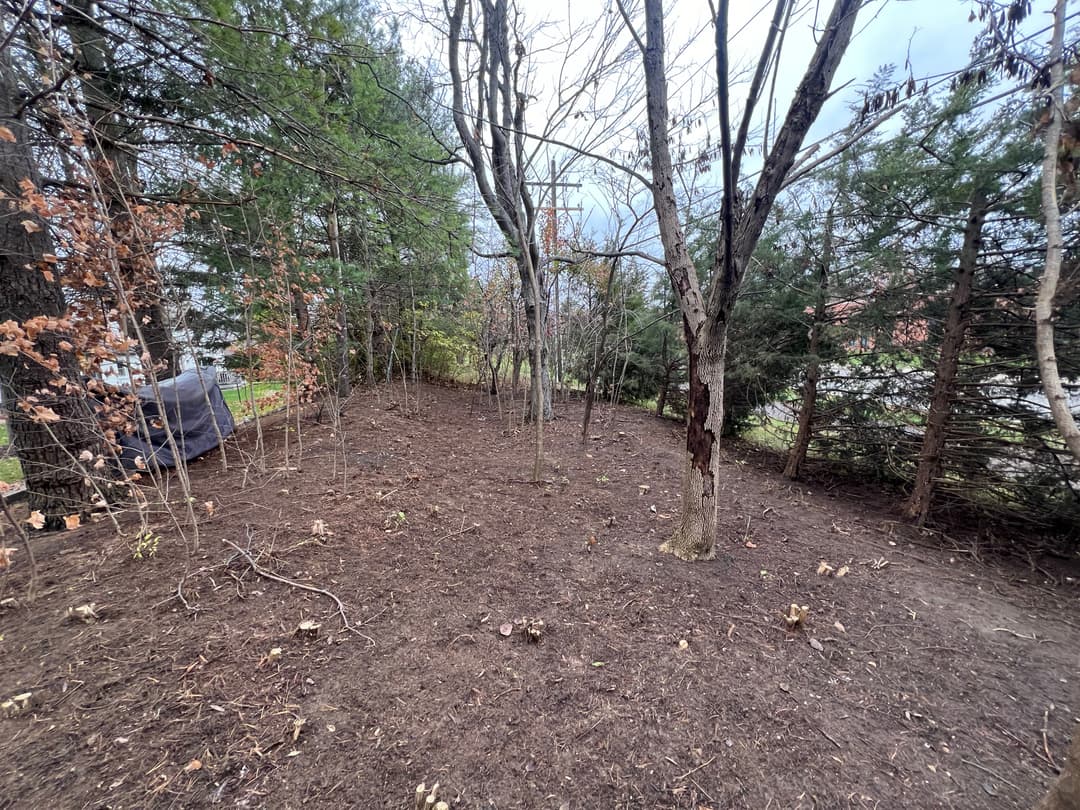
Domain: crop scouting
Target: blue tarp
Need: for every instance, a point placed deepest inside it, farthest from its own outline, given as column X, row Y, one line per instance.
column 189, row 417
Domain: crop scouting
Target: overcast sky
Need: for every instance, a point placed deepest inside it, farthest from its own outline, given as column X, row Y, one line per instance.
column 931, row 38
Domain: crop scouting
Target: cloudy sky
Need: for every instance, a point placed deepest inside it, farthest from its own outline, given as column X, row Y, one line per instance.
column 929, row 38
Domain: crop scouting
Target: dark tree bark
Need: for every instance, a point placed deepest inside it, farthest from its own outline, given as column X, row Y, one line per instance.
column 49, row 445
column 117, row 172
column 957, row 321
column 813, row 366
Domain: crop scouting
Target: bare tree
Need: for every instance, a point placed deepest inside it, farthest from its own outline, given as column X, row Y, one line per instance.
column 706, row 314
column 1048, row 284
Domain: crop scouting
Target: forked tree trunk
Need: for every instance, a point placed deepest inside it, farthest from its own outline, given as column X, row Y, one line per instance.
column 706, row 325
column 48, row 448
column 695, row 537
column 813, row 367
column 957, row 321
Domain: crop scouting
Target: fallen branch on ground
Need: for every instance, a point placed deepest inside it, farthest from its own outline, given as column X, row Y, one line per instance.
column 262, row 572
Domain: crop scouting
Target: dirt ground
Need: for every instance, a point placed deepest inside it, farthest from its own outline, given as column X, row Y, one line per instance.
column 927, row 676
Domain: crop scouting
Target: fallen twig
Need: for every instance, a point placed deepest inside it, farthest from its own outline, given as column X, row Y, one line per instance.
column 1024, row 636
column 991, row 772
column 262, row 572
column 1046, row 744
column 695, row 770
column 825, row 734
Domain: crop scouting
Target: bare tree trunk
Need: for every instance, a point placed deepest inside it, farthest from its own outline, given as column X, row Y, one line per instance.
column 369, row 339
column 599, row 350
column 696, row 535
column 57, row 423
column 1048, row 284
column 957, row 320
column 342, row 372
column 813, row 366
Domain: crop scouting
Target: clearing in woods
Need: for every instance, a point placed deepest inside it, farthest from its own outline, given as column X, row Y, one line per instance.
column 924, row 677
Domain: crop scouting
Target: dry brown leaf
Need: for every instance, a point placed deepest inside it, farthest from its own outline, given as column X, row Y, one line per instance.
column 209, row 506
column 7, row 135
column 194, row 765
column 824, row 568
column 5, row 557
column 72, row 522
column 843, row 570
column 30, row 226
column 36, row 519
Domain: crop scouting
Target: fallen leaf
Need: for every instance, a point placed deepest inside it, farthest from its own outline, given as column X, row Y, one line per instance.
column 824, row 568
column 36, row 519
column 843, row 570
column 30, row 226
column 506, row 628
column 209, row 506
column 839, row 627
column 5, row 557
column 7, row 135
column 86, row 455
column 72, row 522
column 817, row 645
column 194, row 765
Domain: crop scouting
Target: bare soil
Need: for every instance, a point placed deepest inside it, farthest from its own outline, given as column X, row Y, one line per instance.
column 926, row 676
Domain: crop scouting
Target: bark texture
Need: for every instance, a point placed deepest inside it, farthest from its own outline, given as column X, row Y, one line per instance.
column 29, row 288
column 957, row 320
column 1048, row 284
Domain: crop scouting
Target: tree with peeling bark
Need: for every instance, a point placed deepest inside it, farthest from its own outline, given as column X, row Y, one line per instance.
column 706, row 313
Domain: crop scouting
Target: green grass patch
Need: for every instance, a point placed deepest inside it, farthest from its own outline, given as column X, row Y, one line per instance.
column 268, row 397
column 10, row 471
